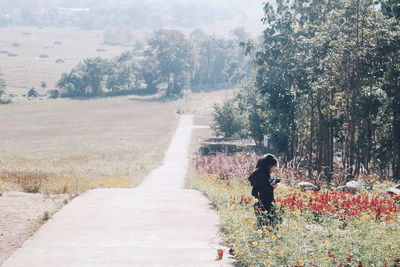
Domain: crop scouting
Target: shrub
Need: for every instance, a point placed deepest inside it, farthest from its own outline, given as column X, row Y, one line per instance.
column 43, row 56
column 32, row 93
column 16, row 45
column 3, row 98
column 222, row 166
column 53, row 94
column 228, row 120
column 60, row 61
column 12, row 55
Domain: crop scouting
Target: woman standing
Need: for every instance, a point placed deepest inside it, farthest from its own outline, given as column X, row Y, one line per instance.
column 263, row 190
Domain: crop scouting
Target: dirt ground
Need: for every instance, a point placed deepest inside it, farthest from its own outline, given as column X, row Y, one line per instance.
column 21, row 214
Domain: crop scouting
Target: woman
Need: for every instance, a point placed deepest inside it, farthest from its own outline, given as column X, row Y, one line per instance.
column 263, row 190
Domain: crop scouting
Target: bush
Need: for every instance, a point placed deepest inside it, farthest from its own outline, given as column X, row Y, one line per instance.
column 3, row 98
column 54, row 93
column 32, row 93
column 237, row 166
column 228, row 120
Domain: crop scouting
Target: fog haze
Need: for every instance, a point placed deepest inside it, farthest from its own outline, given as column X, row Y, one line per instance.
column 153, row 14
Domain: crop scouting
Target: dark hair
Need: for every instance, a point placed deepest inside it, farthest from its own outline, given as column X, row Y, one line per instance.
column 266, row 162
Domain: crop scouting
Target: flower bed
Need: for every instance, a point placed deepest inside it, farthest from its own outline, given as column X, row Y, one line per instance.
column 318, row 228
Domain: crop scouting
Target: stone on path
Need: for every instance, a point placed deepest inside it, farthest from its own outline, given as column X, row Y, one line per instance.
column 156, row 224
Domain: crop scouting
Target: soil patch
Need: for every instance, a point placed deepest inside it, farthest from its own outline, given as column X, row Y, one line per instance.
column 21, row 215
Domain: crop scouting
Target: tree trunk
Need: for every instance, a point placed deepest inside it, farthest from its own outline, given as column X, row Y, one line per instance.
column 310, row 144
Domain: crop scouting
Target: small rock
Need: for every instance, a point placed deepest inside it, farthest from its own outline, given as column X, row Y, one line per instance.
column 395, row 190
column 304, row 186
column 344, row 188
column 358, row 185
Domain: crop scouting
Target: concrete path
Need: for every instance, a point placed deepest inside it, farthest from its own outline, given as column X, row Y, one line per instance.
column 156, row 224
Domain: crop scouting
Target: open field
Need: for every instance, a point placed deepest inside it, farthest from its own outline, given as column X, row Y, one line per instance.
column 27, row 69
column 68, row 146
column 96, row 138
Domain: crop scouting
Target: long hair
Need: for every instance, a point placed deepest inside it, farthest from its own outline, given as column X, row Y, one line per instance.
column 264, row 164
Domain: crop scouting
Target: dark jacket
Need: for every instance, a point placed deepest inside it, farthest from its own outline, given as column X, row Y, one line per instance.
column 262, row 188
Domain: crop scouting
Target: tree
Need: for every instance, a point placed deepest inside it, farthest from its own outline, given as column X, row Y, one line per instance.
column 328, row 88
column 389, row 62
column 228, row 120
column 86, row 79
column 173, row 58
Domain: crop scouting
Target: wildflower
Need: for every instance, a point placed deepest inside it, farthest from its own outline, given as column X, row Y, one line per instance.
column 220, row 254
column 330, row 255
column 268, row 261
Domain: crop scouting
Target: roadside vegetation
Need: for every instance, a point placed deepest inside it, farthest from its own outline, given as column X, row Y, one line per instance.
column 325, row 92
column 319, row 228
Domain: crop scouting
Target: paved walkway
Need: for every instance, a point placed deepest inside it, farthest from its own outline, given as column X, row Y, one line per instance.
column 156, row 224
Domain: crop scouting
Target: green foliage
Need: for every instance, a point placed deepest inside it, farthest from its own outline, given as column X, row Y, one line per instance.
column 327, row 78
column 301, row 239
column 86, row 79
column 218, row 60
column 3, row 98
column 228, row 120
column 2, row 87
column 173, row 56
column 54, row 93
column 32, row 93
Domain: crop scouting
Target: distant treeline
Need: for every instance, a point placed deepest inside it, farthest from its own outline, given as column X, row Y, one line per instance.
column 170, row 64
column 101, row 14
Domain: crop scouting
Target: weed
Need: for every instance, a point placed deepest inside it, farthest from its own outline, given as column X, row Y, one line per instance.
column 46, row 216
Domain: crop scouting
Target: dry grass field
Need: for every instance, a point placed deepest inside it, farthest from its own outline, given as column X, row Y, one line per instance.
column 63, row 147
column 110, row 140
column 68, row 146
column 29, row 66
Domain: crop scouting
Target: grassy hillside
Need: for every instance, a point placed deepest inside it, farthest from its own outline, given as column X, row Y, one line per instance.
column 26, row 69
